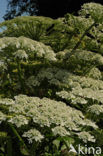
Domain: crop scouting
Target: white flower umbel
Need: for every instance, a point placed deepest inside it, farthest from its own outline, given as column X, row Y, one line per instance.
column 93, row 10
column 21, row 54
column 27, row 48
column 19, row 120
column 2, row 117
column 48, row 114
column 61, row 131
column 33, row 135
column 85, row 137
column 6, row 101
column 96, row 109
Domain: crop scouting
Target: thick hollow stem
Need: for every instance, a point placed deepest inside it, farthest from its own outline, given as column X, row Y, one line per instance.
column 19, row 138
column 79, row 42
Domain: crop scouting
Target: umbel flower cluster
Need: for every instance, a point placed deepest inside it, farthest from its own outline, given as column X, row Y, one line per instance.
column 51, row 82
column 22, row 48
column 55, row 116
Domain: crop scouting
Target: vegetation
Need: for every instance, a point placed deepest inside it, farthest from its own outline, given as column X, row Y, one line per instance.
column 51, row 83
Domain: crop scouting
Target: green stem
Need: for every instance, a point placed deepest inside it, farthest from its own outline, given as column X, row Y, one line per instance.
column 19, row 138
column 79, row 42
column 9, row 146
column 66, row 145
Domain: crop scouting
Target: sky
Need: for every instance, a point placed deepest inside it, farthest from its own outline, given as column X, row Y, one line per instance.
column 3, row 7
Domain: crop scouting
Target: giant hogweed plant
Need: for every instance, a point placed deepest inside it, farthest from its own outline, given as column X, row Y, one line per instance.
column 50, row 32
column 62, row 83
column 39, row 123
column 63, row 32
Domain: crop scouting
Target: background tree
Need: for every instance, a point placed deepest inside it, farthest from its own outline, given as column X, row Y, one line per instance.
column 51, row 8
